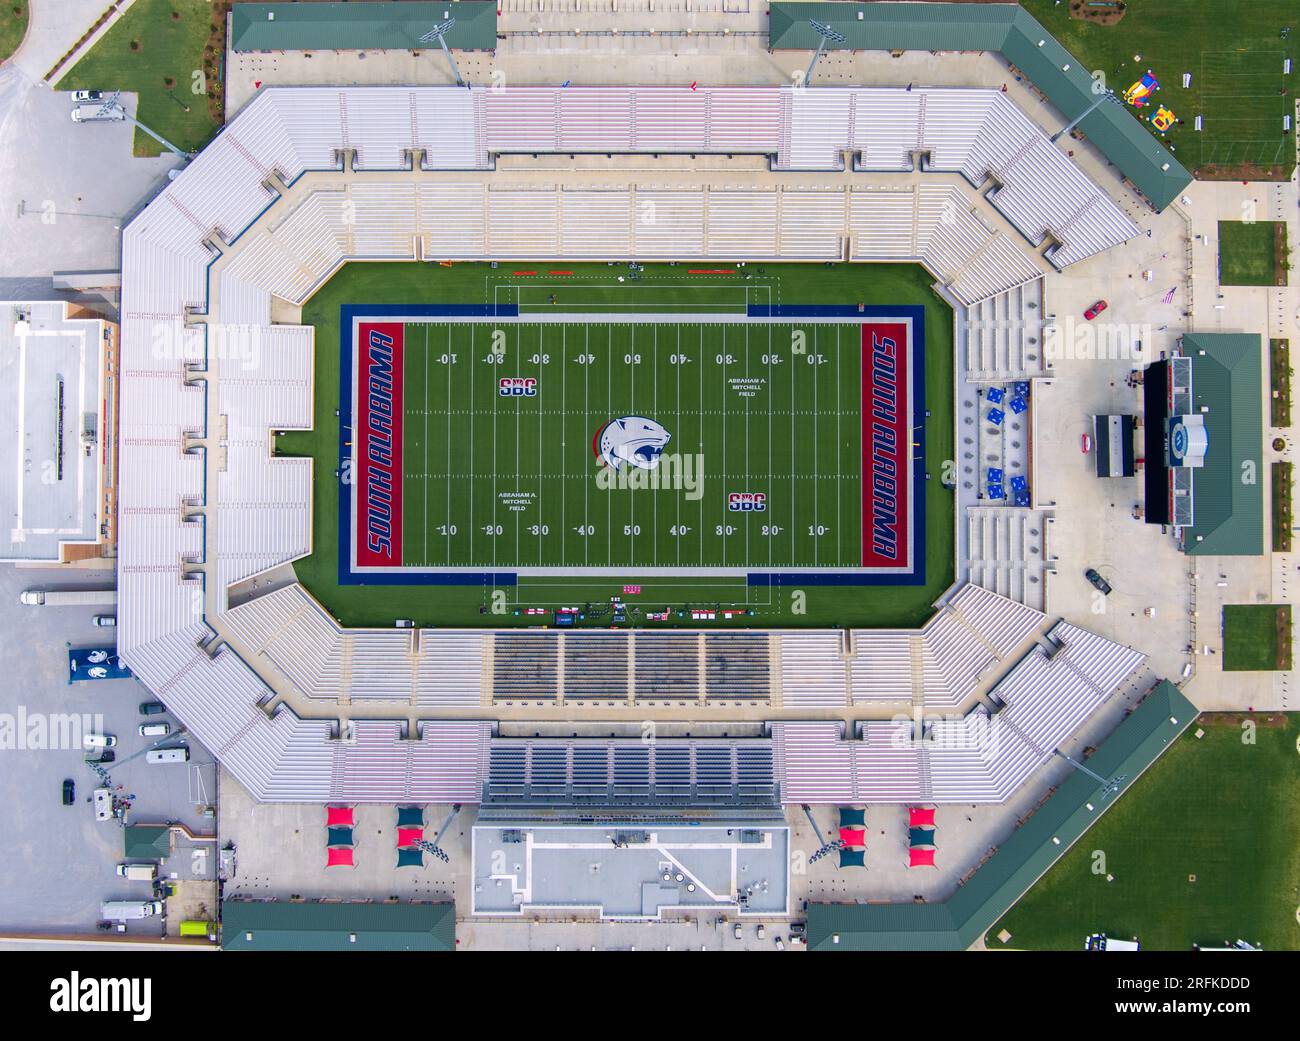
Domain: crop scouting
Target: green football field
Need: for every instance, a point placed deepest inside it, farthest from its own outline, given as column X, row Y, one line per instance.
column 596, row 294
column 762, row 467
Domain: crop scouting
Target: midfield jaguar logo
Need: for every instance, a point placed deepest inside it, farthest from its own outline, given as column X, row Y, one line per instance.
column 630, row 454
column 634, row 440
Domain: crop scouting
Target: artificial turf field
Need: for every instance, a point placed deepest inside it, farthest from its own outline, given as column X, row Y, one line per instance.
column 662, row 291
column 763, row 466
column 1200, row 850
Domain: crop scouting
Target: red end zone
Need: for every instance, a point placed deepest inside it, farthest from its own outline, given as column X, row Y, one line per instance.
column 379, row 444
column 886, row 445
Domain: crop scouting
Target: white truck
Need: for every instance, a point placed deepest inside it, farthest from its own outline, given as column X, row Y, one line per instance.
column 68, row 597
column 138, row 872
column 128, row 910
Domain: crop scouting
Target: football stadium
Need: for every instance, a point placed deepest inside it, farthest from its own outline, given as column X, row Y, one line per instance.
column 468, row 431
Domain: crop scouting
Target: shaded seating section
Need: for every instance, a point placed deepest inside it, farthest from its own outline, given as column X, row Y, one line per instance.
column 920, row 816
column 410, row 836
column 341, row 857
column 339, row 817
column 920, row 836
column 339, row 837
column 853, row 858
column 921, row 857
column 854, row 838
column 853, row 817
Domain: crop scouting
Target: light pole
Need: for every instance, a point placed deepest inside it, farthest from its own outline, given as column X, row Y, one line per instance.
column 827, row 33
column 1104, row 96
column 437, row 33
column 114, row 103
column 1109, row 787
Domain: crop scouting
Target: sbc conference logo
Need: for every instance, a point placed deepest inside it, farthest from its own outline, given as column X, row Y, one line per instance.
column 517, row 386
column 747, row 502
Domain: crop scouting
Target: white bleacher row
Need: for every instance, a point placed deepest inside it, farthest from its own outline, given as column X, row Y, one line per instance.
column 291, row 631
column 289, row 254
column 631, row 119
column 980, row 758
column 971, row 633
column 1003, row 336
column 285, row 758
column 978, row 133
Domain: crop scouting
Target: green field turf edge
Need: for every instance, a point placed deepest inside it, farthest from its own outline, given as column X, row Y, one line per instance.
column 1251, row 641
column 1218, row 808
column 813, row 606
column 1234, row 52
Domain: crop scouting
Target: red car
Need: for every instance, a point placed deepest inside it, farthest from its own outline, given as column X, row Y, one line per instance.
column 1095, row 310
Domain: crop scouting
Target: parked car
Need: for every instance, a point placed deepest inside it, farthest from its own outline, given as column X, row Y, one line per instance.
column 98, row 741
column 152, row 708
column 1095, row 310
column 69, row 791
column 1098, row 583
column 88, row 95
column 1085, row 445
column 96, row 113
column 103, row 620
column 155, row 729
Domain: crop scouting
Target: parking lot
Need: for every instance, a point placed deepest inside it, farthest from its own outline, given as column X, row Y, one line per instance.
column 57, row 862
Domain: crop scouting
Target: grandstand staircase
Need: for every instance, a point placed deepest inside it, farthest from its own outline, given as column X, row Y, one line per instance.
column 345, row 669
column 916, row 645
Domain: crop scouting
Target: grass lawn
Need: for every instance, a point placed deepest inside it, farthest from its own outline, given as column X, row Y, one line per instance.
column 377, row 283
column 13, row 26
column 1256, row 637
column 1222, row 809
column 1234, row 54
column 1248, row 253
column 163, row 50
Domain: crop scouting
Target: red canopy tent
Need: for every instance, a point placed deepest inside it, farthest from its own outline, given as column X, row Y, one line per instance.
column 921, row 857
column 340, row 857
column 409, row 836
column 339, row 816
column 920, row 816
column 854, row 837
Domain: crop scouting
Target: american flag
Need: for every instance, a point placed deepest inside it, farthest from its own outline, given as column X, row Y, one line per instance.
column 1169, row 296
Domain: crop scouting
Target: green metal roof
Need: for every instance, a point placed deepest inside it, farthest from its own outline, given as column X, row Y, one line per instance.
column 1228, row 491
column 252, row 925
column 1023, row 858
column 1021, row 39
column 146, row 841
column 354, row 27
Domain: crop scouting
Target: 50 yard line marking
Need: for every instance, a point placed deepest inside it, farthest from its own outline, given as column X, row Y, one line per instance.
column 654, row 502
column 424, row 534
column 678, row 367
column 564, row 437
column 839, row 471
column 541, row 355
